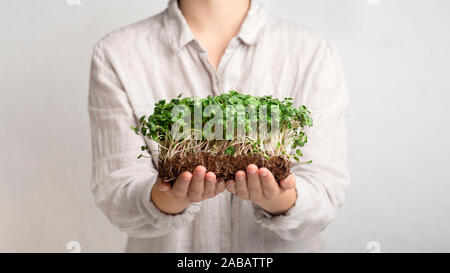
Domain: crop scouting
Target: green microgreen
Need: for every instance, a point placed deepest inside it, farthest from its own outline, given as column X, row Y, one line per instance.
column 236, row 112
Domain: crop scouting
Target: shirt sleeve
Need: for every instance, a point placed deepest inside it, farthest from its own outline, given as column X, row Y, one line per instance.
column 321, row 185
column 121, row 183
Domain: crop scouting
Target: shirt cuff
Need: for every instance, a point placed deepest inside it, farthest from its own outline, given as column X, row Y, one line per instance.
column 291, row 219
column 161, row 220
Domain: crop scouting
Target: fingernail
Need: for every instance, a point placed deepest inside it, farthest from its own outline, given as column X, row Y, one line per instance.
column 186, row 177
column 200, row 169
column 264, row 173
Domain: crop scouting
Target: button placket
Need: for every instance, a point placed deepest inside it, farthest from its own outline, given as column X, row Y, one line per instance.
column 210, row 70
column 227, row 55
column 215, row 75
column 229, row 52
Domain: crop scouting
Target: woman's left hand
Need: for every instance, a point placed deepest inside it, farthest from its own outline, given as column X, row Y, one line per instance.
column 260, row 187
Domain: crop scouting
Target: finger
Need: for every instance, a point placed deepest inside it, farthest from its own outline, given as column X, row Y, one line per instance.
column 181, row 185
column 220, row 186
column 210, row 185
column 268, row 183
column 241, row 185
column 197, row 184
column 288, row 183
column 162, row 185
column 254, row 183
column 231, row 186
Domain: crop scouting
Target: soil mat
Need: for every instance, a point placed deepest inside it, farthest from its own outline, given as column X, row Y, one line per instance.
column 223, row 166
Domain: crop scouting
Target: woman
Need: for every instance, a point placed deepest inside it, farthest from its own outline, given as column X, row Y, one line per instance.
column 206, row 47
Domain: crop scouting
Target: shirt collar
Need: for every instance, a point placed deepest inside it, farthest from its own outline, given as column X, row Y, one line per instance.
column 179, row 33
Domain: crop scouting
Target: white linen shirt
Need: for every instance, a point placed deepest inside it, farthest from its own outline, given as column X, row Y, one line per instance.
column 159, row 58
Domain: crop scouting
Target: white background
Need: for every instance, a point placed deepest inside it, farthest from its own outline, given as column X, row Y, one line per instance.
column 398, row 69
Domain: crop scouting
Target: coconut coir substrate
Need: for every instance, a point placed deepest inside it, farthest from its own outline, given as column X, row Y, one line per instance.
column 223, row 166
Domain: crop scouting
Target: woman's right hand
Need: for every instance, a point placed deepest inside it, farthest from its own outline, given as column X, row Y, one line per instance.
column 188, row 188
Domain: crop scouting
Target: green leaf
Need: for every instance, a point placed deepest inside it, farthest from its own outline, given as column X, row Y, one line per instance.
column 135, row 129
column 230, row 150
column 292, row 122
